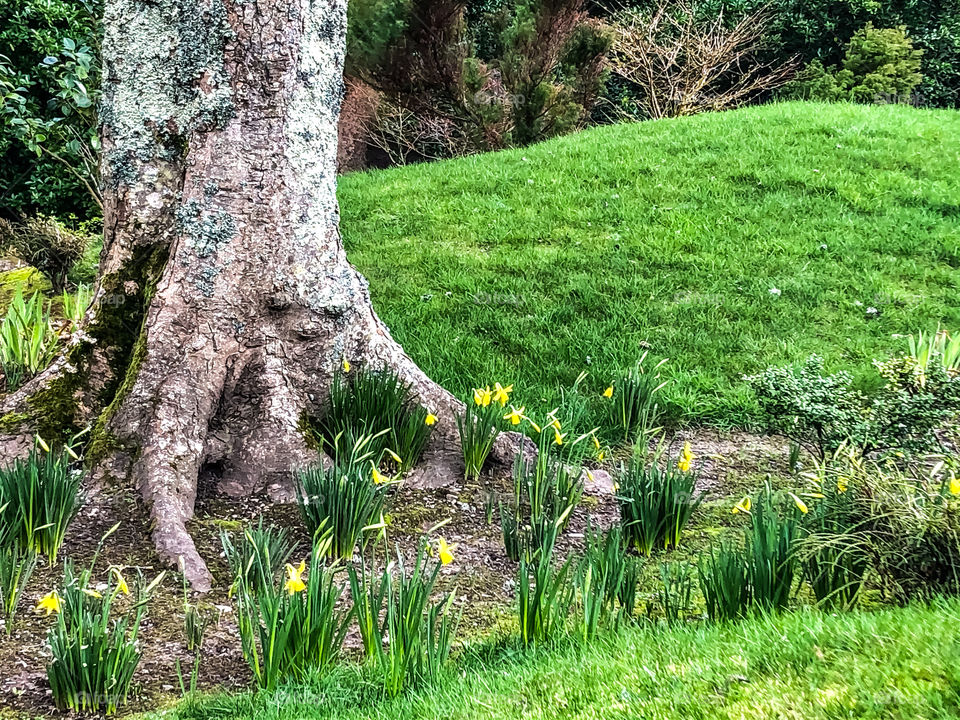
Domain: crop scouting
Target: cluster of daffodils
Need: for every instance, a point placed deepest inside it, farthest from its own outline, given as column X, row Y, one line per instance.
column 744, row 506
column 484, row 397
column 53, row 603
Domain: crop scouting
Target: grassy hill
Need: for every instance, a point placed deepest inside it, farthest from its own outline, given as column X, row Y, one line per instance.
column 726, row 242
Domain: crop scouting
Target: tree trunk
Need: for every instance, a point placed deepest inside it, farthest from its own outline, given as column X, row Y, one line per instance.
column 225, row 302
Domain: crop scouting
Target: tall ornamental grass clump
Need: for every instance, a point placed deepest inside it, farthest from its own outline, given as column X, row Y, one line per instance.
column 759, row 572
column 834, row 547
column 39, row 497
column 605, row 577
column 633, row 407
column 657, row 498
column 544, row 594
column 257, row 556
column 545, row 493
column 405, row 633
column 379, row 406
column 291, row 629
column 28, row 340
column 897, row 517
column 346, row 498
column 479, row 426
column 16, row 566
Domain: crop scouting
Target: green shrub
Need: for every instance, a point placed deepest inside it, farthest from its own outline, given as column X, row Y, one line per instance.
column 656, row 500
column 412, row 641
column 94, row 641
column 880, row 65
column 46, row 244
column 28, row 340
column 905, row 516
column 376, row 405
column 824, row 411
column 258, row 556
column 290, row 630
column 346, row 499
column 39, row 497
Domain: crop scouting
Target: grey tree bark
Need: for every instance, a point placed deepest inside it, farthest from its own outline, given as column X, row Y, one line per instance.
column 225, row 302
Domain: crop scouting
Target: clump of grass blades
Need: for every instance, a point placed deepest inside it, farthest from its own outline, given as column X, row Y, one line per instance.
column 94, row 645
column 347, row 498
column 257, row 557
column 771, row 557
column 606, row 575
column 39, row 497
column 377, row 405
column 633, row 408
column 544, row 594
column 833, row 549
column 936, row 348
column 407, row 636
column 478, row 428
column 724, row 582
column 16, row 566
column 292, row 629
column 28, row 340
column 74, row 305
column 656, row 501
column 675, row 596
column 545, row 492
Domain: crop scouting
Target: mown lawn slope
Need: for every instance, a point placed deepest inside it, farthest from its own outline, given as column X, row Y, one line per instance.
column 726, row 242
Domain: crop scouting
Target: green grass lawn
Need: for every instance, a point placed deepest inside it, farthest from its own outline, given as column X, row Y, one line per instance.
column 894, row 663
column 533, row 265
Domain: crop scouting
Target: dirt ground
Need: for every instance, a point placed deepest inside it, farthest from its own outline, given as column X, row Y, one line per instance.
column 481, row 574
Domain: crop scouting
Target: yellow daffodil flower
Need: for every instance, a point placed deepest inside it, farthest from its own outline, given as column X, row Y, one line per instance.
column 43, row 444
column 534, row 425
column 482, row 396
column 841, row 484
column 92, row 593
column 955, row 485
column 742, row 506
column 445, row 552
column 589, row 474
column 608, row 393
column 801, row 505
column 515, row 415
column 378, row 477
column 686, row 458
column 50, row 602
column 501, row 394
column 596, row 443
column 394, row 457
column 294, row 583
column 600, row 456
column 346, row 365
column 121, row 583
column 558, row 436
column 431, row 419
